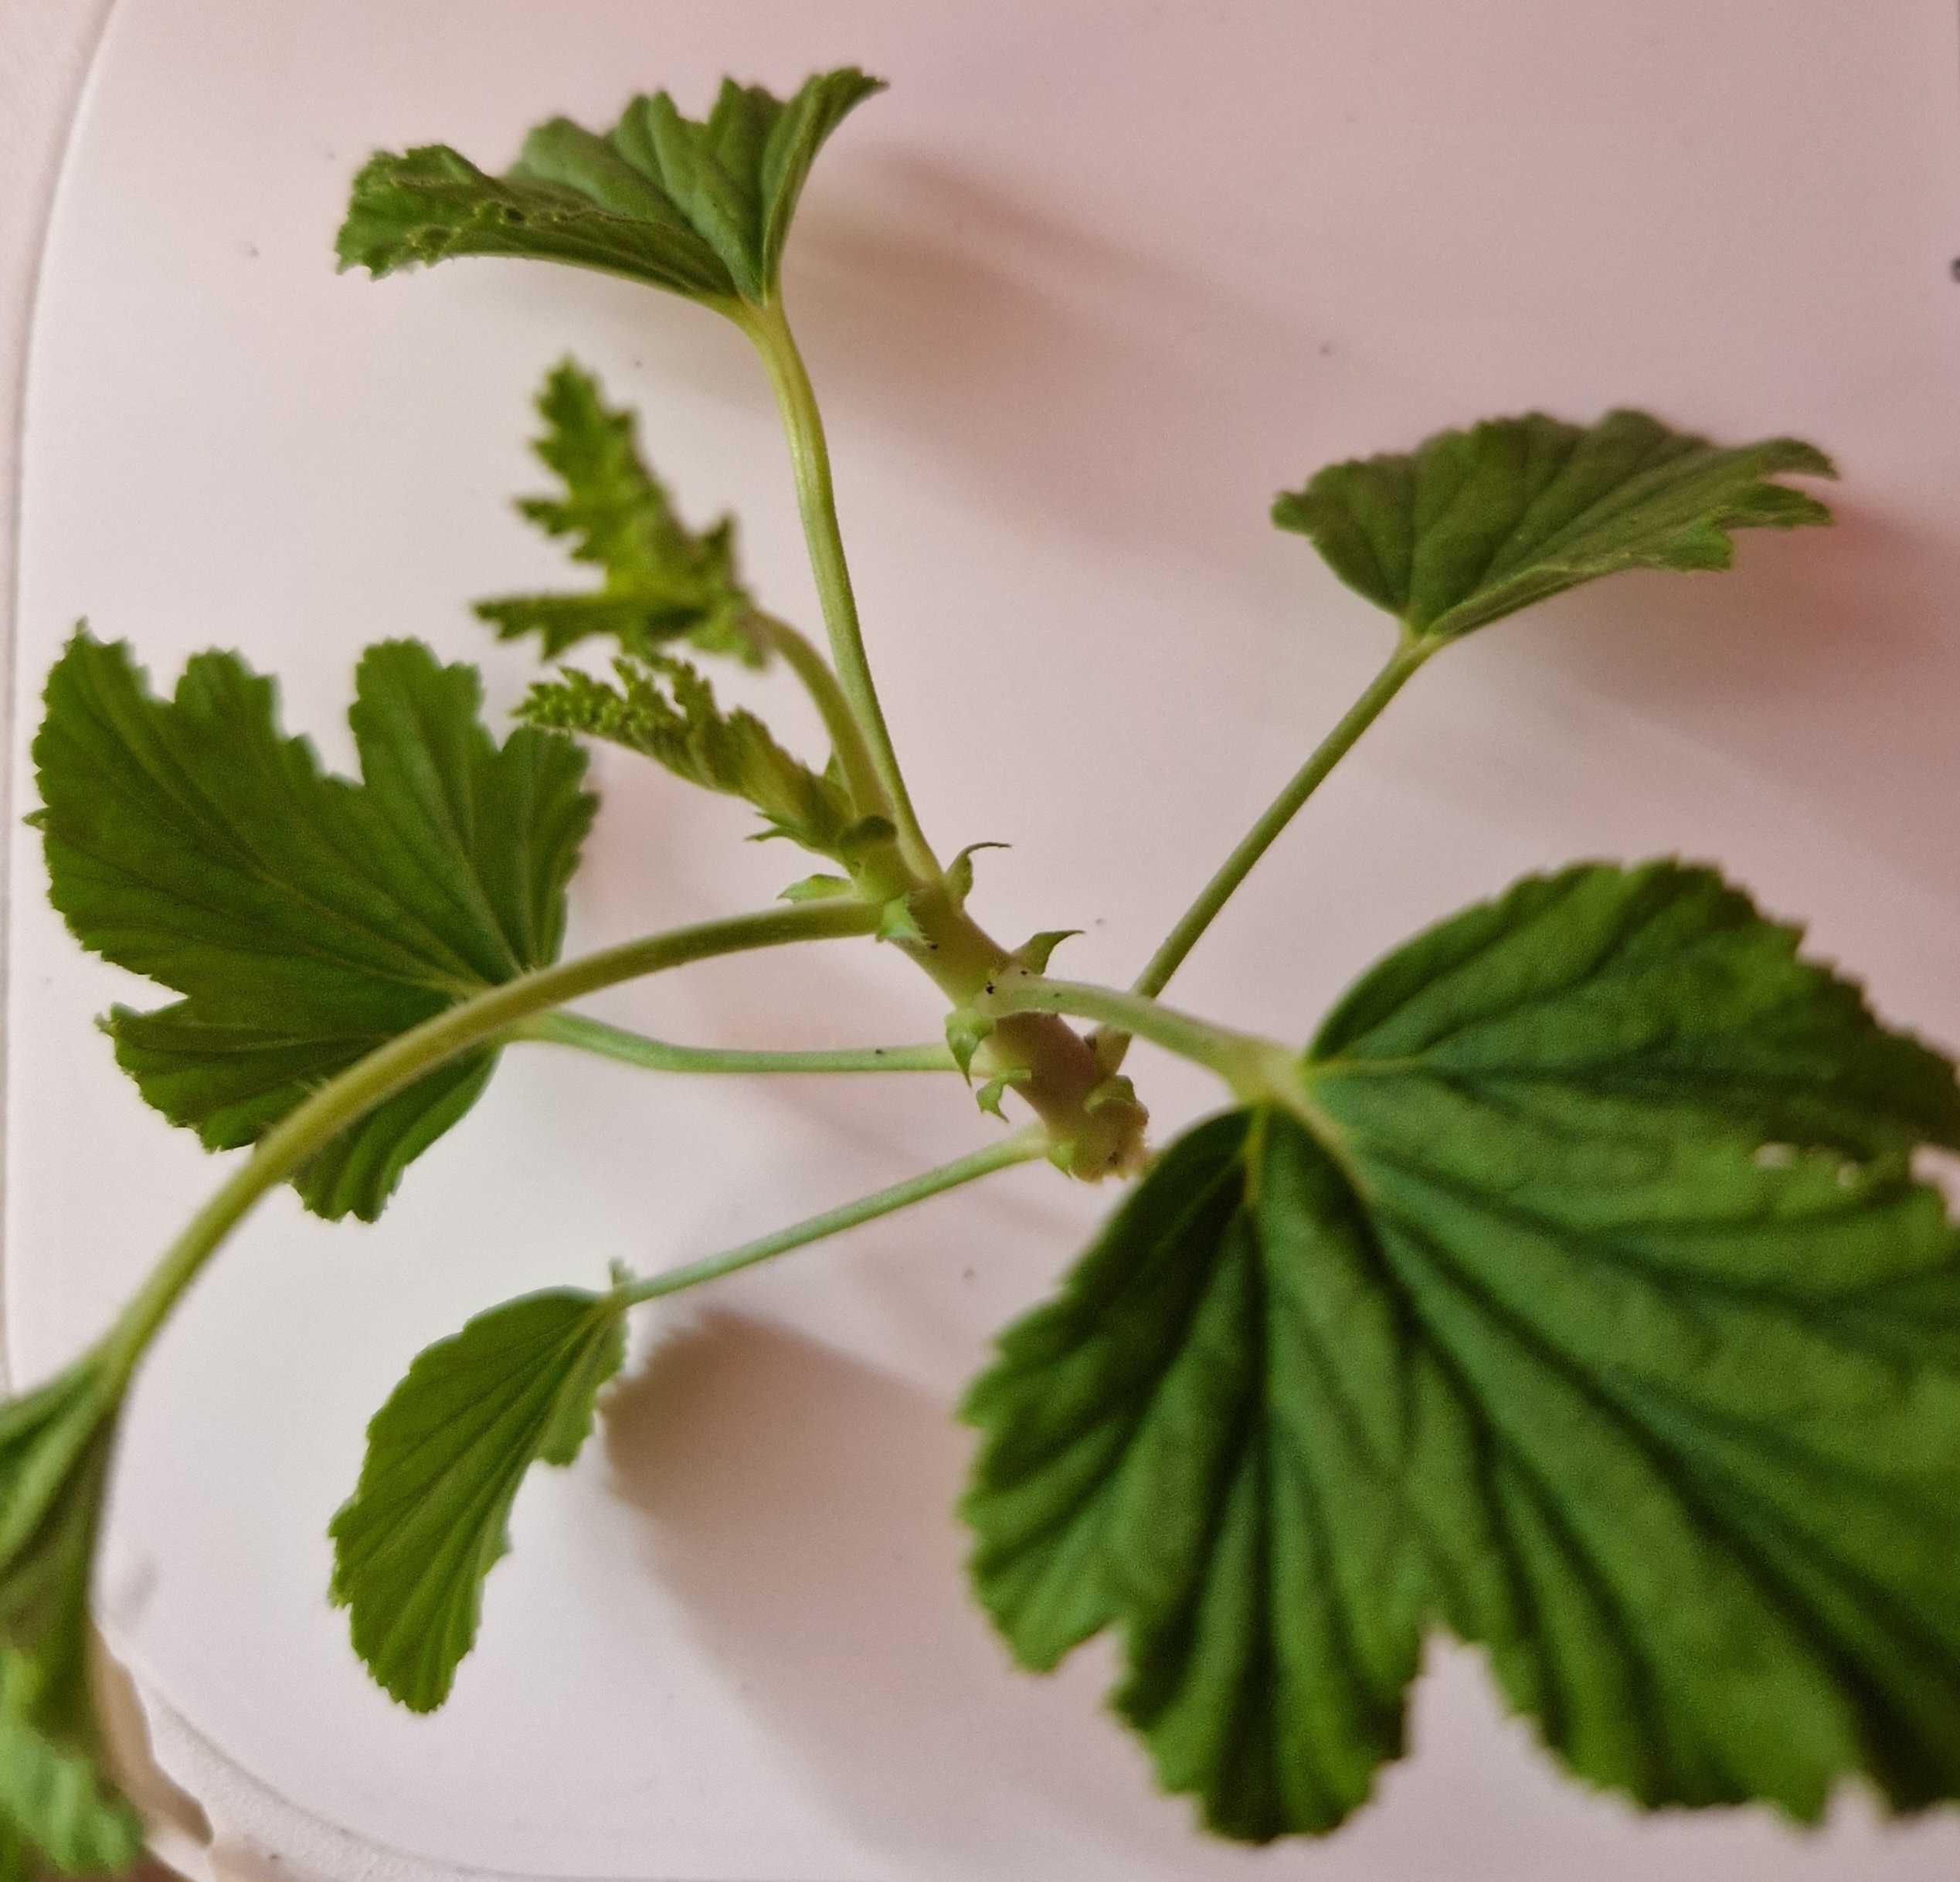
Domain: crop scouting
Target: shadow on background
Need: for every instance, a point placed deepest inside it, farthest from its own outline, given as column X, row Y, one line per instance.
column 800, row 1505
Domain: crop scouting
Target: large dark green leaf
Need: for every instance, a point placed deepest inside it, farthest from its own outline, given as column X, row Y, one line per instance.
column 1580, row 1296
column 1477, row 524
column 700, row 207
column 306, row 919
column 446, row 1456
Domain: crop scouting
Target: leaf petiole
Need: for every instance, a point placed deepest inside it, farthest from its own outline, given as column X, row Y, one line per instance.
column 810, row 458
column 303, row 1132
column 1025, row 1147
column 633, row 1048
column 1410, row 652
column 853, row 755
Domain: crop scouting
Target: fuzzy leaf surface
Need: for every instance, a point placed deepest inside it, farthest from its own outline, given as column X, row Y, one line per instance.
column 665, row 710
column 1582, row 1298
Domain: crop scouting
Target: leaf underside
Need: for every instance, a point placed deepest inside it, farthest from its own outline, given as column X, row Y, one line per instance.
column 662, row 581
column 446, row 1456
column 1585, row 1303
column 1477, row 524
column 306, row 920
column 699, row 207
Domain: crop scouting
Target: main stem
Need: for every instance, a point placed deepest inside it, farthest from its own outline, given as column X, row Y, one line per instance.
column 810, row 456
column 1408, row 656
column 1021, row 1148
column 847, row 737
column 390, row 1068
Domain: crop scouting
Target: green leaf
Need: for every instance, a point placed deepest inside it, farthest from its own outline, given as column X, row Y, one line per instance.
column 306, row 919
column 1478, row 524
column 820, row 887
column 989, row 1095
column 662, row 582
column 897, row 923
column 965, row 1032
column 699, row 207
column 959, row 872
column 1579, row 1296
column 446, row 1455
column 57, row 1806
column 665, row 710
column 1035, row 951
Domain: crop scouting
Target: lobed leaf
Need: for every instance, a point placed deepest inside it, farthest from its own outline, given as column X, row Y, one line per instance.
column 1581, row 1297
column 664, row 708
column 1476, row 524
column 445, row 1458
column 306, row 920
column 662, row 582
column 698, row 207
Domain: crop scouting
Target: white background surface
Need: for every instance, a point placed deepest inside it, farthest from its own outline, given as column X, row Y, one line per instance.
column 1081, row 293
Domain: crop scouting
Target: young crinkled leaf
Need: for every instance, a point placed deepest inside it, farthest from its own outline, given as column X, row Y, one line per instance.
column 662, row 581
column 306, row 920
column 1477, row 524
column 1574, row 1292
column 445, row 1455
column 58, row 1810
column 699, row 207
column 663, row 709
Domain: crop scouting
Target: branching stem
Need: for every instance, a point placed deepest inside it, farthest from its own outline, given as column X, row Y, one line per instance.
column 1242, row 1059
column 634, row 1048
column 1022, row 1147
column 344, row 1101
column 847, row 737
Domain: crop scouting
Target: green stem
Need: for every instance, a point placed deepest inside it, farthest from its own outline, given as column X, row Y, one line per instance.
column 1242, row 1059
column 390, row 1067
column 634, row 1048
column 809, row 457
column 1021, row 1148
column 868, row 790
column 1408, row 656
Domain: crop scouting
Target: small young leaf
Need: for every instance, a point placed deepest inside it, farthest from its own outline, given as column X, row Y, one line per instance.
column 662, row 581
column 818, row 888
column 445, row 1455
column 959, row 872
column 1035, row 951
column 965, row 1032
column 897, row 923
column 306, row 920
column 989, row 1095
column 665, row 710
column 700, row 207
column 1503, row 1318
column 57, row 1806
column 1476, row 524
